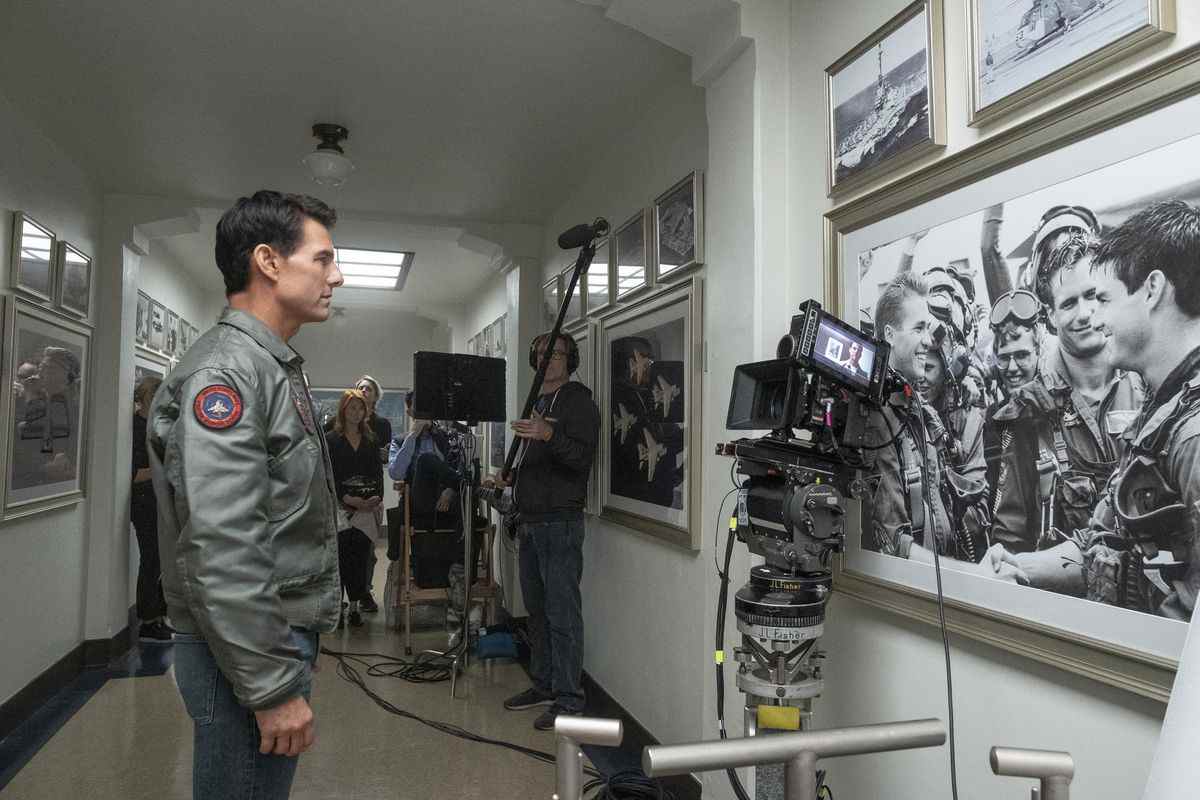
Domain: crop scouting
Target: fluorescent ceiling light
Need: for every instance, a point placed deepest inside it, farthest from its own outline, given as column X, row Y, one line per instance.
column 394, row 257
column 364, row 282
column 370, row 270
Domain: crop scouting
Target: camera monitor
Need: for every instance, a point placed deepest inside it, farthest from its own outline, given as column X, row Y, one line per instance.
column 838, row 351
column 451, row 386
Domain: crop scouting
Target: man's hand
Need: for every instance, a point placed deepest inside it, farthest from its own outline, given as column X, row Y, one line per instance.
column 444, row 500
column 287, row 729
column 537, row 427
column 1000, row 564
column 372, row 502
column 355, row 503
column 497, row 481
column 419, row 426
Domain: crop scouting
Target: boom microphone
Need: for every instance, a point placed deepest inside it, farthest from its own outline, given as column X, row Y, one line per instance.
column 582, row 234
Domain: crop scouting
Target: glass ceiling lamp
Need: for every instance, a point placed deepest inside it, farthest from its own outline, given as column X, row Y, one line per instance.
column 328, row 164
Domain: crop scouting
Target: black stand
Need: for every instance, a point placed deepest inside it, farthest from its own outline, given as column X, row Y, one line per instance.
column 581, row 267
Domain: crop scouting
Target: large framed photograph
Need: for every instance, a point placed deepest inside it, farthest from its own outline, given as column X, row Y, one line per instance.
column 46, row 362
column 649, row 362
column 158, row 326
column 679, row 228
column 1018, row 258
column 885, row 99
column 585, row 373
column 632, row 256
column 141, row 329
column 33, row 258
column 599, row 284
column 1020, row 51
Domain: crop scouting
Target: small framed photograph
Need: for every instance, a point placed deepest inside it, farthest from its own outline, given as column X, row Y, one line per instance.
column 171, row 335
column 158, row 326
column 597, row 289
column 46, row 361
column 185, row 337
column 575, row 308
column 632, row 272
column 886, row 98
column 141, row 330
column 679, row 228
column 74, row 281
column 1021, row 52
column 551, row 294
column 33, row 258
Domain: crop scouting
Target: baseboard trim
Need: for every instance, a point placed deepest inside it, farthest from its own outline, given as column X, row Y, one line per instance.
column 600, row 702
column 59, row 675
column 22, row 705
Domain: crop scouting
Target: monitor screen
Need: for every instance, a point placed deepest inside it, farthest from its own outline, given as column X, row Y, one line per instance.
column 845, row 352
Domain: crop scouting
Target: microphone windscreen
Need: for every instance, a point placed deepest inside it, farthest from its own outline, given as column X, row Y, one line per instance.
column 575, row 237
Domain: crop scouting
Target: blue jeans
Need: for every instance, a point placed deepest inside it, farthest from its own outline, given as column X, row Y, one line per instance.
column 226, row 764
column 551, row 567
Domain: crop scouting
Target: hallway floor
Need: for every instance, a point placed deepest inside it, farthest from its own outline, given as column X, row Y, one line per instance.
column 131, row 739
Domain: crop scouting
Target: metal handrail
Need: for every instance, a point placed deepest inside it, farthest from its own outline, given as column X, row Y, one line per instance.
column 1053, row 768
column 797, row 751
column 571, row 732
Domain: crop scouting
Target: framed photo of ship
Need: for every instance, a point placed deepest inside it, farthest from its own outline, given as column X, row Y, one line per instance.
column 886, row 98
column 1022, row 51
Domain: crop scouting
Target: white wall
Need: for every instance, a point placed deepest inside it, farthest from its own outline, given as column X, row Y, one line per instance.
column 43, row 558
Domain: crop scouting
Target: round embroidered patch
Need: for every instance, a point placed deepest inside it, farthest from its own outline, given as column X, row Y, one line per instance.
column 218, row 407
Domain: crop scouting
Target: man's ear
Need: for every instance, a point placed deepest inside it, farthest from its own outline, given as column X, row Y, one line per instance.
column 1157, row 288
column 889, row 333
column 266, row 262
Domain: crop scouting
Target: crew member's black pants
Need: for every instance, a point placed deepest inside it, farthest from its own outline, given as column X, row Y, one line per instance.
column 430, row 477
column 354, row 554
column 143, row 513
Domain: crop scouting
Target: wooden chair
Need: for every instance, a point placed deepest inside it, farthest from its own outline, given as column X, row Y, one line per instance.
column 483, row 591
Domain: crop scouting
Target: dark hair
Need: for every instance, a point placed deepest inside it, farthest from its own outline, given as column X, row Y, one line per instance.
column 1069, row 250
column 408, row 396
column 1164, row 236
column 887, row 307
column 267, row 217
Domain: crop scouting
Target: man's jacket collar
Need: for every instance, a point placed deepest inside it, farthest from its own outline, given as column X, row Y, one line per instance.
column 256, row 330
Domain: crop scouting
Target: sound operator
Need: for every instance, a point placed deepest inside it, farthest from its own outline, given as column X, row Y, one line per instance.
column 549, row 483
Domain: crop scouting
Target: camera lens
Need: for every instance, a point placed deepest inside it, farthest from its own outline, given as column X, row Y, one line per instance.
column 787, row 347
column 775, row 401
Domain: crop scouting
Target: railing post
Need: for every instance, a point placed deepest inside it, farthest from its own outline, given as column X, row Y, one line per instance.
column 568, row 758
column 1052, row 767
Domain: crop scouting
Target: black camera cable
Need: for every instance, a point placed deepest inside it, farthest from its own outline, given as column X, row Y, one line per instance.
column 941, row 606
column 719, row 652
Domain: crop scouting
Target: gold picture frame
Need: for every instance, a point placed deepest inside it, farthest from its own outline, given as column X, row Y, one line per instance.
column 868, row 117
column 1132, row 34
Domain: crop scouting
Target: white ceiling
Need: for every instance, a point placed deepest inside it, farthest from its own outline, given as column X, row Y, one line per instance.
column 457, row 109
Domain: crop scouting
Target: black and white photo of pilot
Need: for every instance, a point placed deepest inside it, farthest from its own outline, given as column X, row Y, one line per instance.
column 158, row 326
column 845, row 354
column 1051, row 340
column 171, row 336
column 1020, row 42
column 141, row 331
column 648, row 447
column 47, row 391
column 880, row 100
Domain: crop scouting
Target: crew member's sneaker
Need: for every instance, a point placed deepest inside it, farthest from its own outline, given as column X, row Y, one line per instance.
column 530, row 698
column 368, row 604
column 545, row 720
column 154, row 632
column 354, row 618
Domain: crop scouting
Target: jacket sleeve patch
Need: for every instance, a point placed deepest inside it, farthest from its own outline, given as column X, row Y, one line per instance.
column 218, row 407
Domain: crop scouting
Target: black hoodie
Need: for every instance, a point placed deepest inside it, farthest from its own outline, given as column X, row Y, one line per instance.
column 552, row 477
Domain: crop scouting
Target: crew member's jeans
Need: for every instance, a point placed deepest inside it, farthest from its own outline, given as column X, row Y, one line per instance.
column 551, row 567
column 143, row 513
column 226, row 764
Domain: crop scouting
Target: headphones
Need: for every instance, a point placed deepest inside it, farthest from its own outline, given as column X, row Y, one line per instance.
column 572, row 350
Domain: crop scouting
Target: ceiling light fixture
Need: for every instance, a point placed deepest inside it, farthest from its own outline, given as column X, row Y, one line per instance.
column 328, row 163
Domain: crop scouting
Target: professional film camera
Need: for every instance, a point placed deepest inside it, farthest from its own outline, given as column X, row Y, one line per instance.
column 816, row 399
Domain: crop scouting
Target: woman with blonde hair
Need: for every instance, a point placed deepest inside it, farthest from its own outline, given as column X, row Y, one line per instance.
column 358, row 476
